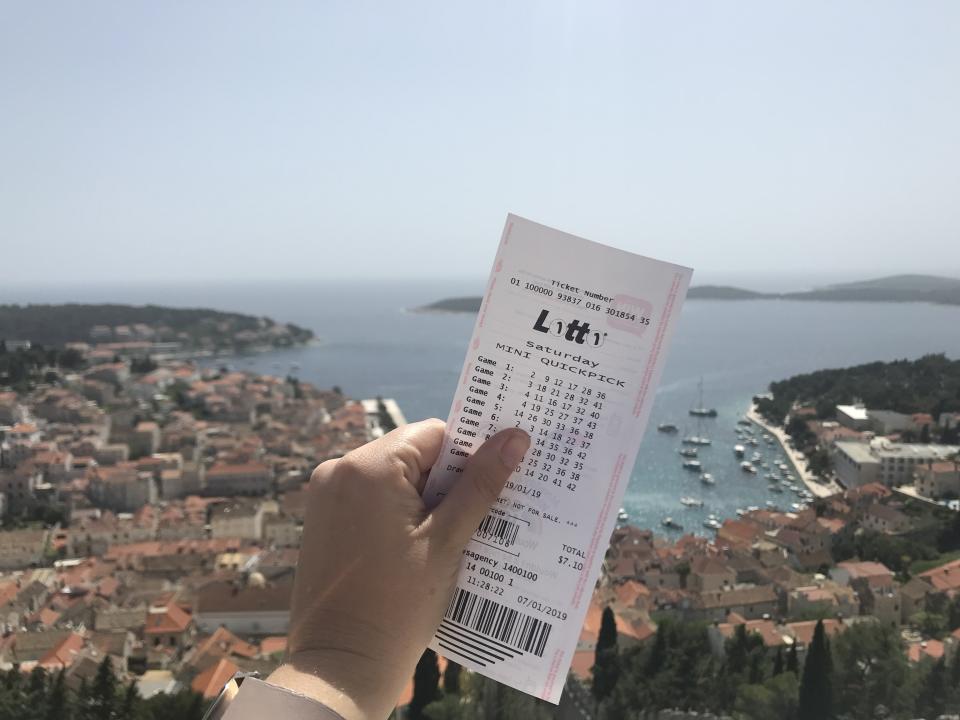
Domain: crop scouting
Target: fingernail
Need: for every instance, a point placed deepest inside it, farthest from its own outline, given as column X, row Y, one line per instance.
column 511, row 452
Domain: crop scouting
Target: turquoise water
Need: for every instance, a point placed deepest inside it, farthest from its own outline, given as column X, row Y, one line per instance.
column 372, row 346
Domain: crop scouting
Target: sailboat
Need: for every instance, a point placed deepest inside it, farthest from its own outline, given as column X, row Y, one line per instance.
column 700, row 410
column 698, row 438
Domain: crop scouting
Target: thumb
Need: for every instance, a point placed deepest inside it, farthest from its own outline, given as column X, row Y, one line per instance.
column 470, row 498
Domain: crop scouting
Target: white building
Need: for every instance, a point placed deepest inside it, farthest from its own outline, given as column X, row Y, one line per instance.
column 880, row 460
column 854, row 417
column 937, row 480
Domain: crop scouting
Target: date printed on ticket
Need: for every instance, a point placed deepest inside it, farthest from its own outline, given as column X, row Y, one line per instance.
column 568, row 345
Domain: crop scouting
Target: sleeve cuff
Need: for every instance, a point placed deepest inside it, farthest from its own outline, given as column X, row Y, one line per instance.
column 257, row 699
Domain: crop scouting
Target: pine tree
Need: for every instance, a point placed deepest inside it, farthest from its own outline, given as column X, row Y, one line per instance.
column 737, row 649
column 606, row 668
column 57, row 706
column 131, row 702
column 778, row 662
column 816, row 687
column 103, row 692
column 955, row 670
column 931, row 702
column 83, row 705
column 755, row 676
column 36, row 695
column 793, row 662
column 451, row 678
column 426, row 680
column 658, row 653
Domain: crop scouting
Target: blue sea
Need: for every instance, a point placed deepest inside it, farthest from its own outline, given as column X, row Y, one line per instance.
column 369, row 344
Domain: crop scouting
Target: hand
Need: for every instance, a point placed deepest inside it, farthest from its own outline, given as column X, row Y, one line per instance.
column 377, row 570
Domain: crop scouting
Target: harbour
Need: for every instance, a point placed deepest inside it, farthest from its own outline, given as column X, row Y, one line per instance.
column 371, row 347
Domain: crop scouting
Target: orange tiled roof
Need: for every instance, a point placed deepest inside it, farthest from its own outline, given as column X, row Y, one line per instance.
column 210, row 682
column 273, row 644
column 63, row 655
column 943, row 578
column 928, row 648
column 170, row 619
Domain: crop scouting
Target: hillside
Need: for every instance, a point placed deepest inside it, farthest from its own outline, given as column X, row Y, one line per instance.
column 895, row 288
column 453, row 305
column 930, row 384
column 192, row 328
column 722, row 292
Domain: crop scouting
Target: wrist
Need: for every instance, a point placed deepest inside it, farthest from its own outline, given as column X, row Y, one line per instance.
column 341, row 683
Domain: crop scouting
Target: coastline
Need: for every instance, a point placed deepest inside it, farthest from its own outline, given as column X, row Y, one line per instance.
column 798, row 462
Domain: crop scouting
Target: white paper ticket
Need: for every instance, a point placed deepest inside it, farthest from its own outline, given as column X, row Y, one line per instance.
column 568, row 345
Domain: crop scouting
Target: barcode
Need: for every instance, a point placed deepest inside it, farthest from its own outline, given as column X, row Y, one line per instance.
column 499, row 622
column 499, row 530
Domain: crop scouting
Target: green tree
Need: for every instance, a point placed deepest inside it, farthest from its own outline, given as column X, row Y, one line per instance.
column 57, row 706
column 184, row 705
column 426, row 680
column 606, row 666
column 793, row 662
column 776, row 698
column 931, row 624
column 778, row 662
column 98, row 701
column 130, row 705
column 816, row 687
column 872, row 670
column 932, row 699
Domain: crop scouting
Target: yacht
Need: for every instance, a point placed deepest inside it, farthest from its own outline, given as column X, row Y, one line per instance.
column 700, row 410
column 748, row 467
column 696, row 440
column 771, row 505
column 739, row 450
column 622, row 516
column 744, row 422
column 712, row 523
column 688, row 452
column 707, row 479
column 667, row 428
column 692, row 502
column 693, row 465
column 775, row 489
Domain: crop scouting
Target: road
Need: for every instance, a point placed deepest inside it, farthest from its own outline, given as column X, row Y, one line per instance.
column 799, row 462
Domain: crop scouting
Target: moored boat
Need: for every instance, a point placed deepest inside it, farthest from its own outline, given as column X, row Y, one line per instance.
column 671, row 524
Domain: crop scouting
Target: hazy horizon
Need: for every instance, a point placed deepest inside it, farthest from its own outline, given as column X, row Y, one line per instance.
column 766, row 146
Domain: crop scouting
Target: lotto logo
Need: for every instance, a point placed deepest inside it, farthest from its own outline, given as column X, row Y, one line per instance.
column 576, row 331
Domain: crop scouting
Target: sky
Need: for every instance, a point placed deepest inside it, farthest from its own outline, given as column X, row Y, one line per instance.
column 756, row 142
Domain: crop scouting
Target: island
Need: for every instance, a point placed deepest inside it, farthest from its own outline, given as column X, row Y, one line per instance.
column 895, row 288
column 148, row 329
